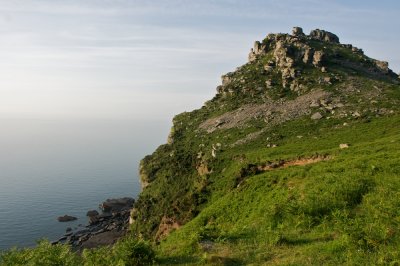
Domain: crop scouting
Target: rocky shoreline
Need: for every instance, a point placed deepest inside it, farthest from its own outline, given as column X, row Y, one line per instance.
column 103, row 228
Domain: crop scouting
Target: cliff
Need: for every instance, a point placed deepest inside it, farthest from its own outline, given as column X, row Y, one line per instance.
column 297, row 152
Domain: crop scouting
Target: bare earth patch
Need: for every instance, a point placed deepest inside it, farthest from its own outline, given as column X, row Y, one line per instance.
column 254, row 169
column 166, row 226
column 273, row 113
column 302, row 161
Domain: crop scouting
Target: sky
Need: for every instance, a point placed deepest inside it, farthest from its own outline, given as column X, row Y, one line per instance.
column 137, row 59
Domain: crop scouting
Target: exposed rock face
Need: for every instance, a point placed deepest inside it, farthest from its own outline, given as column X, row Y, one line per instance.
column 382, row 66
column 297, row 31
column 325, row 36
column 256, row 50
column 226, row 79
column 144, row 177
column 318, row 58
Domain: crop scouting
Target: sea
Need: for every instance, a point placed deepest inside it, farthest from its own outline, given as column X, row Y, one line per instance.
column 53, row 167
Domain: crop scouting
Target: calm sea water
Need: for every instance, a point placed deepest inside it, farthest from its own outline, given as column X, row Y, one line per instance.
column 49, row 168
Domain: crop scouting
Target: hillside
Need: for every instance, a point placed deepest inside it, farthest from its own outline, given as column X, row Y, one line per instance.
column 294, row 161
column 257, row 173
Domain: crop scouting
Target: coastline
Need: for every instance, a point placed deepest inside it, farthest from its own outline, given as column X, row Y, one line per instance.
column 103, row 228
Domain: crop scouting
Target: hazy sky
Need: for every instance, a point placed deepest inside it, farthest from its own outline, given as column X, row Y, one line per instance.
column 120, row 59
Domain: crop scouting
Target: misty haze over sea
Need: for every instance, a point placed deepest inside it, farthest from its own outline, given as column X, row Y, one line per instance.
column 54, row 167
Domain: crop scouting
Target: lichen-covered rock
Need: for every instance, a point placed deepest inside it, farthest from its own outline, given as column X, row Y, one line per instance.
column 318, row 58
column 383, row 66
column 316, row 116
column 325, row 36
column 226, row 79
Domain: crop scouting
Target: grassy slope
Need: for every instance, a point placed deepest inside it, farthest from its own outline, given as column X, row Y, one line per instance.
column 346, row 209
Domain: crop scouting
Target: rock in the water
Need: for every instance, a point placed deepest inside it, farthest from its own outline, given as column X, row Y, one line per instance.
column 117, row 204
column 316, row 116
column 69, row 229
column 66, row 218
column 92, row 213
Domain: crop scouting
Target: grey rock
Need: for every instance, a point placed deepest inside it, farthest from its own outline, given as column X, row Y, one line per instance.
column 66, row 218
column 92, row 213
column 297, row 31
column 318, row 58
column 323, row 35
column 117, row 204
column 226, row 79
column 316, row 116
column 383, row 66
column 93, row 220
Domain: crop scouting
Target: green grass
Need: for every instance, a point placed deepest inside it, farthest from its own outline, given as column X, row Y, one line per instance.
column 345, row 210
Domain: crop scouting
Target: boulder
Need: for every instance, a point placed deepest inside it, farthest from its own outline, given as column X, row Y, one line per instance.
column 66, row 218
column 226, row 79
column 316, row 116
column 324, row 36
column 383, row 66
column 297, row 31
column 92, row 213
column 117, row 204
column 343, row 146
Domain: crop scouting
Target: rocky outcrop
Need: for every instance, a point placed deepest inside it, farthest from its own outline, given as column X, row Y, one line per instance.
column 318, row 58
column 290, row 56
column 297, row 31
column 383, row 66
column 324, row 36
column 258, row 49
